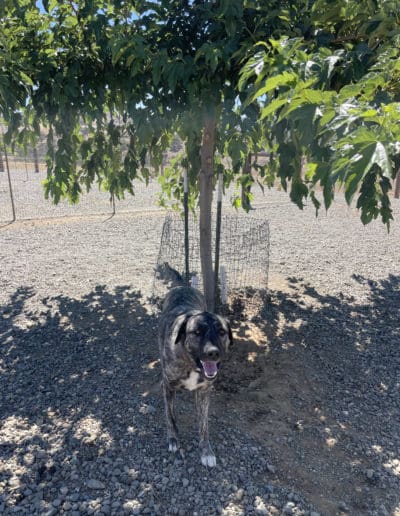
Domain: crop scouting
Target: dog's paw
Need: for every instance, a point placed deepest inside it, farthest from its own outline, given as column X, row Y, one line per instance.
column 172, row 445
column 208, row 459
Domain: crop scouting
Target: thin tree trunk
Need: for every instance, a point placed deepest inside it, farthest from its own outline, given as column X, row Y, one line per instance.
column 206, row 184
column 36, row 160
column 245, row 188
column 397, row 186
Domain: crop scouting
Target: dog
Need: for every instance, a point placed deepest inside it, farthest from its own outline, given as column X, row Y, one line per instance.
column 193, row 343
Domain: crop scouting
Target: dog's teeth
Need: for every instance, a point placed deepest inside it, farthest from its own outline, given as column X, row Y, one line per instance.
column 209, row 460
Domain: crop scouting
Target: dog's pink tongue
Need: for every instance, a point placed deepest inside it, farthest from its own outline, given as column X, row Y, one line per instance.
column 210, row 368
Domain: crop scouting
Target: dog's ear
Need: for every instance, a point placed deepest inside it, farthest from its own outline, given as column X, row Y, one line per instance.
column 227, row 327
column 179, row 328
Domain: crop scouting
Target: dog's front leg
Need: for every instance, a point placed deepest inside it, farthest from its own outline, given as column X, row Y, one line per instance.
column 202, row 403
column 172, row 431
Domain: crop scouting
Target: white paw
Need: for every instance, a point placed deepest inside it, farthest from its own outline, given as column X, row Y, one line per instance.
column 172, row 446
column 209, row 460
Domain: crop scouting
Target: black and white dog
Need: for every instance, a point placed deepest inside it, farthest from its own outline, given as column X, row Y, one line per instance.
column 193, row 342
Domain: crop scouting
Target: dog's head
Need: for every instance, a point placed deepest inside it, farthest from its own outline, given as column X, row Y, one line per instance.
column 206, row 337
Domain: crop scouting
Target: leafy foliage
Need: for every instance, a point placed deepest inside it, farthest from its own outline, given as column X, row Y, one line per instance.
column 331, row 97
column 316, row 83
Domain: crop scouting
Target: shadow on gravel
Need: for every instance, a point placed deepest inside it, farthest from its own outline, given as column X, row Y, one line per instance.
column 323, row 393
column 315, row 381
column 71, row 374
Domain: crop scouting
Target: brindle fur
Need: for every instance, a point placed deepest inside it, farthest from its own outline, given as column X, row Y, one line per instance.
column 184, row 313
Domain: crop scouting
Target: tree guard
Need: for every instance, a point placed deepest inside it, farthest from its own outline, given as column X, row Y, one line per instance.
column 243, row 261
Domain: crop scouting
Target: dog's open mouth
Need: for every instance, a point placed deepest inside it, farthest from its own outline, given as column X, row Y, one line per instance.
column 210, row 368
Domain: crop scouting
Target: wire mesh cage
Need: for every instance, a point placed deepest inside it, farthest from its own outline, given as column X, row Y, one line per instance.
column 243, row 262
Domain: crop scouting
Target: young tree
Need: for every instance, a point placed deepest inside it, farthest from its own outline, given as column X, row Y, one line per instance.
column 114, row 81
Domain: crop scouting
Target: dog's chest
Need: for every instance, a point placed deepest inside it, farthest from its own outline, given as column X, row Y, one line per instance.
column 193, row 382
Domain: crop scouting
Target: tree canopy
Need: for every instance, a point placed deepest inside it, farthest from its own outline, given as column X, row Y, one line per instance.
column 304, row 79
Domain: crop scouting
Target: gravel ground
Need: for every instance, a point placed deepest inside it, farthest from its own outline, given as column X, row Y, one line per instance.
column 304, row 420
column 29, row 201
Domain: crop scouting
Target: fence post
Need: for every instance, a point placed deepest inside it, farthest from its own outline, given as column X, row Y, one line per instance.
column 10, row 185
column 397, row 185
column 186, row 216
column 218, row 239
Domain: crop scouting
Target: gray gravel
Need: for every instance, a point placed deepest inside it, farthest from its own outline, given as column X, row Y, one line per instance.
column 81, row 418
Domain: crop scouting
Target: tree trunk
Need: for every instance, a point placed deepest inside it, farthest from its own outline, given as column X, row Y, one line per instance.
column 397, row 186
column 245, row 188
column 36, row 160
column 206, row 185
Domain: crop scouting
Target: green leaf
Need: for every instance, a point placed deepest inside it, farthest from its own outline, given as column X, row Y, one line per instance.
column 349, row 91
column 274, row 82
column 310, row 171
column 355, row 169
column 381, row 158
column 298, row 192
column 272, row 107
column 26, row 79
column 316, row 96
column 315, row 201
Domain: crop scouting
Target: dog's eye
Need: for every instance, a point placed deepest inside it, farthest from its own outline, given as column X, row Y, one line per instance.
column 222, row 332
column 197, row 332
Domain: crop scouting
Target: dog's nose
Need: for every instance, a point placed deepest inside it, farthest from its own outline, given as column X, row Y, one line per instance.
column 213, row 354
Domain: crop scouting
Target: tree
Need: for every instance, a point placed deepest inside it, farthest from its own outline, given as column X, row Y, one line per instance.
column 114, row 81
column 333, row 97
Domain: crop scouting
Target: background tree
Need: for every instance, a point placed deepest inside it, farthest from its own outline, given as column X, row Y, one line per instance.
column 114, row 81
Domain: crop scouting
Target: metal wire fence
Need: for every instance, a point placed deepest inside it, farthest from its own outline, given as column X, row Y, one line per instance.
column 22, row 193
column 244, row 261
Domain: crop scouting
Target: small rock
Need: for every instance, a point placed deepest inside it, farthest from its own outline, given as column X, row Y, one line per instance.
column 288, row 509
column 239, row 494
column 95, row 484
column 74, row 497
column 259, row 507
column 384, row 510
column 29, row 459
column 147, row 409
column 370, row 474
